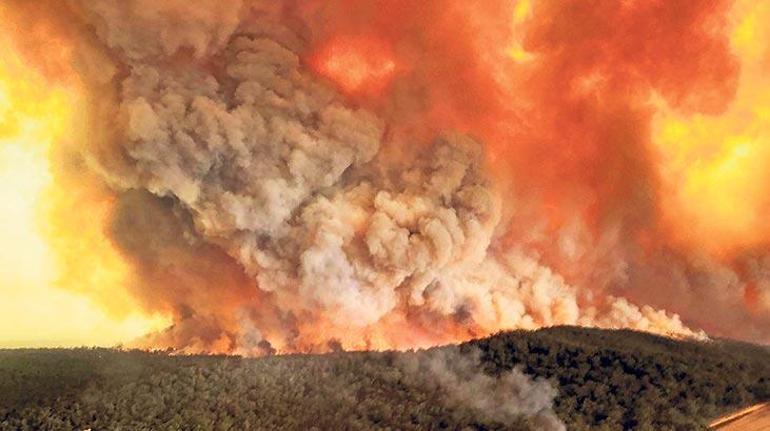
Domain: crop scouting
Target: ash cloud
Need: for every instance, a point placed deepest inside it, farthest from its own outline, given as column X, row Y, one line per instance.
column 268, row 212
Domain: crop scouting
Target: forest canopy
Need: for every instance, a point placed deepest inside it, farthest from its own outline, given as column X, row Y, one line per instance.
column 589, row 378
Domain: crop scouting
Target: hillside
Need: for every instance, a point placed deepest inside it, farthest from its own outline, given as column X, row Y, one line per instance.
column 635, row 380
column 598, row 379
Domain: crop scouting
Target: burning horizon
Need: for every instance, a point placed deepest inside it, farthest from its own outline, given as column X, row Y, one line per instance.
column 264, row 177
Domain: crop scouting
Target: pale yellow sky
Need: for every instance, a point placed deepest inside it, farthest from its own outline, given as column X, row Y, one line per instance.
column 33, row 311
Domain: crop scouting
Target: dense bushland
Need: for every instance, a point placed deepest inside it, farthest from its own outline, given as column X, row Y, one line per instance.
column 605, row 380
column 630, row 380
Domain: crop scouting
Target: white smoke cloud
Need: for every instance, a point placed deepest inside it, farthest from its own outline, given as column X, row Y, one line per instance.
column 505, row 398
column 274, row 168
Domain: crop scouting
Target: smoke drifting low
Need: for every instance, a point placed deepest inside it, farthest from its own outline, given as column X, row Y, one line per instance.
column 294, row 176
column 504, row 399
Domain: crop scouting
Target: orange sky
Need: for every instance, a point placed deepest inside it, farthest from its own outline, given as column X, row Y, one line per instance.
column 62, row 283
column 35, row 309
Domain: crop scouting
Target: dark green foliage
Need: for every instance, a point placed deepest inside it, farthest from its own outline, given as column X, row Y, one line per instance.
column 606, row 380
column 109, row 389
column 631, row 380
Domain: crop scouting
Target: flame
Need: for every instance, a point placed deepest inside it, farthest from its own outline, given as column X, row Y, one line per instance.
column 50, row 233
column 358, row 65
column 558, row 91
column 714, row 166
column 521, row 13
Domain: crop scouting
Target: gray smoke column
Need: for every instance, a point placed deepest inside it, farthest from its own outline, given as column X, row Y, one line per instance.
column 505, row 399
column 264, row 210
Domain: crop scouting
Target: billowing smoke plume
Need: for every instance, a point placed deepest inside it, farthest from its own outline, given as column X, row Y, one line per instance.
column 503, row 399
column 293, row 175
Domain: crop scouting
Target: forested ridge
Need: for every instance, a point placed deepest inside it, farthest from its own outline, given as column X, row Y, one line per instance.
column 632, row 380
column 602, row 379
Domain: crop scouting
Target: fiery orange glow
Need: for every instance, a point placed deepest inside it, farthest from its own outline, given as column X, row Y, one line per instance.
column 715, row 166
column 51, row 246
column 359, row 65
column 599, row 164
